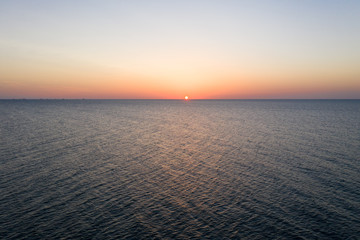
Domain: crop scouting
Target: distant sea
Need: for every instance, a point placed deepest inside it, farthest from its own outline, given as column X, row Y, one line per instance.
column 173, row 169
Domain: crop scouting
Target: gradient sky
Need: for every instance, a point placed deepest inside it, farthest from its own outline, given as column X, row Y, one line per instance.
column 169, row 49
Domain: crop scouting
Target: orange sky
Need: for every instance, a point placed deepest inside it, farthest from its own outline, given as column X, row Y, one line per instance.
column 162, row 50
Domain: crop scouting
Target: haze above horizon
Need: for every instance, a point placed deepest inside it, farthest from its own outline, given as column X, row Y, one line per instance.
column 168, row 50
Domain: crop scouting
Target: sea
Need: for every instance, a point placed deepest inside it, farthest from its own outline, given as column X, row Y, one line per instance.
column 176, row 169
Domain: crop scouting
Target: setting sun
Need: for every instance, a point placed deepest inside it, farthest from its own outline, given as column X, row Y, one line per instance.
column 186, row 97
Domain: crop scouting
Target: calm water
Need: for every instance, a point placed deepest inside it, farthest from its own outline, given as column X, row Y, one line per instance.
column 136, row 169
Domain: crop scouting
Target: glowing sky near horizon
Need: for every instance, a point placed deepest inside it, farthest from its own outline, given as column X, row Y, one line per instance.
column 169, row 49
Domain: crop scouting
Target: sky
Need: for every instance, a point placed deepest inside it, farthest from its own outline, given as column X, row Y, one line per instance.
column 161, row 49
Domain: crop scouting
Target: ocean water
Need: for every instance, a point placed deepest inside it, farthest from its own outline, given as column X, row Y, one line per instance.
column 168, row 169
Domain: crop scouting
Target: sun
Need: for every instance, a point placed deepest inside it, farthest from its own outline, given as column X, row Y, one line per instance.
column 186, row 98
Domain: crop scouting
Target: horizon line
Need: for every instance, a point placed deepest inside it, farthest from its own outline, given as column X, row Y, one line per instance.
column 157, row 99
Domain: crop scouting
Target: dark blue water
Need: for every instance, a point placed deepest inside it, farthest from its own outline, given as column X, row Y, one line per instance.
column 136, row 169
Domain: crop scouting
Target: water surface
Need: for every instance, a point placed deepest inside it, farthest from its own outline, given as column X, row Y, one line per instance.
column 152, row 169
